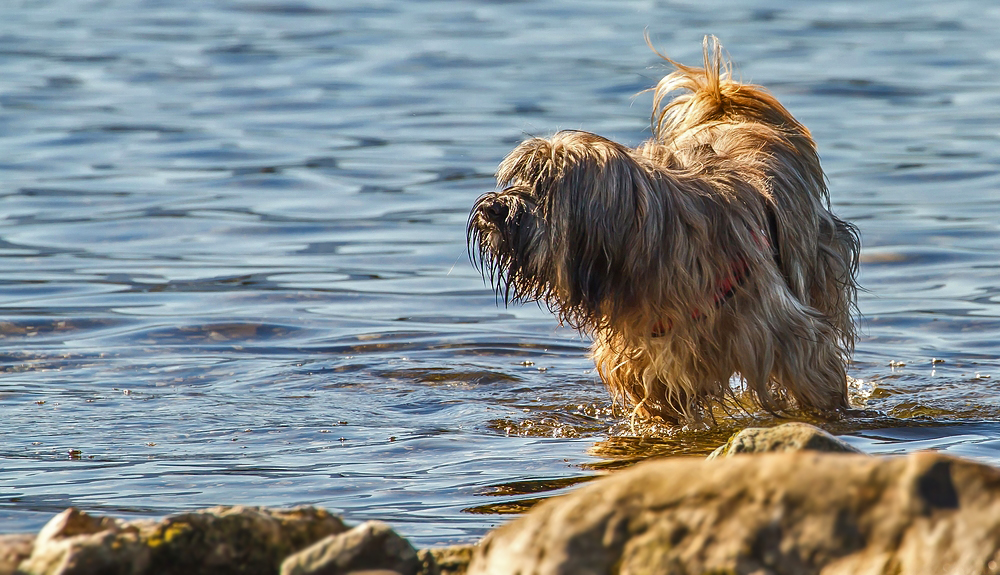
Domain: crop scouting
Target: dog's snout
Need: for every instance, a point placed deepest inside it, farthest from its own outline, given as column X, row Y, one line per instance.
column 496, row 211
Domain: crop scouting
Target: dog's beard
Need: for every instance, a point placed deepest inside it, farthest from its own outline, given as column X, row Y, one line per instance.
column 554, row 232
column 507, row 242
column 705, row 252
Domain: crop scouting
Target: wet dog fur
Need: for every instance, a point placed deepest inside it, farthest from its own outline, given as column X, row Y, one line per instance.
column 706, row 252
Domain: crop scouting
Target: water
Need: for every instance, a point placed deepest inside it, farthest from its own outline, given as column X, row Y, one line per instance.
column 233, row 263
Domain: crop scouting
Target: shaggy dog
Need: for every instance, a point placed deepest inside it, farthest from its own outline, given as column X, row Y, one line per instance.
column 709, row 251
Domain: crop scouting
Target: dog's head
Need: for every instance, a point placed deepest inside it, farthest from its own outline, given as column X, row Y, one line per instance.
column 570, row 225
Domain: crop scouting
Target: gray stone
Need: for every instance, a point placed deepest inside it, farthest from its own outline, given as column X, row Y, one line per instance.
column 369, row 546
column 221, row 540
column 797, row 513
column 786, row 437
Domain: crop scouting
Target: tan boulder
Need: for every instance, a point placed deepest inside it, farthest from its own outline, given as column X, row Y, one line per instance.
column 14, row 548
column 795, row 513
column 453, row 560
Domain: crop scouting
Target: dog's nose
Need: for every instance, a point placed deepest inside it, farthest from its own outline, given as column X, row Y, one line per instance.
column 496, row 211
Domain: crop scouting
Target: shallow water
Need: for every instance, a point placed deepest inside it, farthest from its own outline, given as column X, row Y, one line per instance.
column 233, row 264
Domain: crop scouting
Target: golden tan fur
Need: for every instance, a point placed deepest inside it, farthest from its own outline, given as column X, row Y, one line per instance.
column 708, row 251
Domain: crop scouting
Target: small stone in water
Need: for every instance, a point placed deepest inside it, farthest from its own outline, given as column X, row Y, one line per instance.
column 936, row 361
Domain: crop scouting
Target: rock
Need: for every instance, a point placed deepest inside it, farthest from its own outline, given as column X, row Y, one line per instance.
column 369, row 546
column 427, row 564
column 14, row 549
column 785, row 437
column 221, row 540
column 774, row 514
column 236, row 539
column 77, row 542
column 453, row 560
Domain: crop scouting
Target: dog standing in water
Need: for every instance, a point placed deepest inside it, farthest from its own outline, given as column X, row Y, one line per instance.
column 710, row 250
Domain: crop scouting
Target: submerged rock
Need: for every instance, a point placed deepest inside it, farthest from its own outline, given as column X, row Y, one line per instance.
column 246, row 540
column 781, row 513
column 786, row 437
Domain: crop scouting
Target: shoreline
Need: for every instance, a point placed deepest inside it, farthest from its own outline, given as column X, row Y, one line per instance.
column 786, row 499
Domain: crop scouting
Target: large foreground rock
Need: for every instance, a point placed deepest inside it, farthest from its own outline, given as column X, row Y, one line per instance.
column 772, row 514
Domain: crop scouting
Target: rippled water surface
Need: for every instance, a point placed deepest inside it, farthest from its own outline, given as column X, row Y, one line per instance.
column 232, row 247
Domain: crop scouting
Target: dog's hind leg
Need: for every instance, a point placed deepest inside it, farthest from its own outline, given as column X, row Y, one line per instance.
column 791, row 347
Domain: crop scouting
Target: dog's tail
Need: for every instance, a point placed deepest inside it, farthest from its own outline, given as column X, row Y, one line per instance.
column 710, row 94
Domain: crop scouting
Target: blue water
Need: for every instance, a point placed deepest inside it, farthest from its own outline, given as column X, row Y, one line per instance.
column 232, row 242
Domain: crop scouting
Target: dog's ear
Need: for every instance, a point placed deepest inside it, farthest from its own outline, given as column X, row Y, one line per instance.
column 596, row 198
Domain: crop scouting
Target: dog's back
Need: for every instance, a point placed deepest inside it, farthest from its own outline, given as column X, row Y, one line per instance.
column 710, row 98
column 711, row 118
